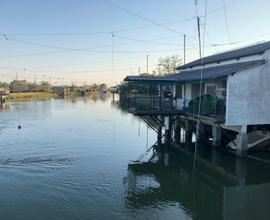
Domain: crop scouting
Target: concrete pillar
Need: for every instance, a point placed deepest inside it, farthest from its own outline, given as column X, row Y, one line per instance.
column 200, row 132
column 242, row 141
column 217, row 136
column 241, row 170
column 167, row 129
column 160, row 96
column 174, row 95
column 159, row 90
column 188, row 131
column 177, row 131
column 166, row 159
column 159, row 135
column 215, row 156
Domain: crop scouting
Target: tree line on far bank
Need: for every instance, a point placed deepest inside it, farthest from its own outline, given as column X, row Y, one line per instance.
column 17, row 86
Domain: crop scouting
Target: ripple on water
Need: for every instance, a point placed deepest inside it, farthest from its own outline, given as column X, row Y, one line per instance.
column 47, row 160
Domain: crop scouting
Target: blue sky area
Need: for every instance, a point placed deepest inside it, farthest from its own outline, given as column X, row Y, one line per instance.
column 68, row 41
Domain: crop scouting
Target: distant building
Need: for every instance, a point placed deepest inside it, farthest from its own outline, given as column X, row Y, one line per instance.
column 61, row 90
column 85, row 90
column 4, row 91
column 114, row 89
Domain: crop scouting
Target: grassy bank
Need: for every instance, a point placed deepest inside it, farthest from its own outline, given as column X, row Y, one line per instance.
column 31, row 95
column 42, row 95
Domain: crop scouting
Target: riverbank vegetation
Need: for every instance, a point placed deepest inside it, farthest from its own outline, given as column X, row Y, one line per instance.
column 22, row 89
column 31, row 95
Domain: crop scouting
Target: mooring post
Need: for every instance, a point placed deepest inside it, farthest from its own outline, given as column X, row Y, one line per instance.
column 242, row 142
column 217, row 135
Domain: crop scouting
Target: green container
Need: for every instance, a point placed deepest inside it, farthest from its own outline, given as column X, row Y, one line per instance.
column 208, row 105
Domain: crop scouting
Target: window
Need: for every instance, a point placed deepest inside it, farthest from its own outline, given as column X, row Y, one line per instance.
column 221, row 88
column 195, row 90
column 210, row 89
column 179, row 91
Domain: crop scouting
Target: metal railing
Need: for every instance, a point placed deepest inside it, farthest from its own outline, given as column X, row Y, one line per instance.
column 156, row 103
column 149, row 103
column 143, row 103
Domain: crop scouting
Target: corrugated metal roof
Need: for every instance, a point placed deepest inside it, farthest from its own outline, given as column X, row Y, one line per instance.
column 215, row 71
column 195, row 74
column 259, row 48
column 148, row 79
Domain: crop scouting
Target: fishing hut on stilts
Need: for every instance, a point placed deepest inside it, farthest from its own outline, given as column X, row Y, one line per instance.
column 230, row 100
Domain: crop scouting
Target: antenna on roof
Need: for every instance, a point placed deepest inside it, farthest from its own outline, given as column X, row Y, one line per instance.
column 199, row 36
column 184, row 49
column 147, row 60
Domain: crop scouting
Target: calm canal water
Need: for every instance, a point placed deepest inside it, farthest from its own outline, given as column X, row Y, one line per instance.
column 85, row 158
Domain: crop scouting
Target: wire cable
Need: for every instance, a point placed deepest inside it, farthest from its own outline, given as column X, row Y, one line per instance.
column 226, row 21
column 201, row 52
column 141, row 17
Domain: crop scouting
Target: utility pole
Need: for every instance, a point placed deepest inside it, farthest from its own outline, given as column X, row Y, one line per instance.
column 139, row 70
column 147, row 60
column 184, row 49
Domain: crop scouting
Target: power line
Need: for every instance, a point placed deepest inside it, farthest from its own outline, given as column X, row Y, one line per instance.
column 64, row 50
column 101, row 32
column 141, row 17
column 220, row 7
column 80, row 64
column 80, row 49
column 75, row 71
column 151, row 41
column 226, row 21
column 57, row 33
column 117, row 30
column 85, row 49
column 152, row 25
column 50, row 46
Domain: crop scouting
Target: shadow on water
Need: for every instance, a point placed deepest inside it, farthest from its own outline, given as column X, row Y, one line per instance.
column 221, row 186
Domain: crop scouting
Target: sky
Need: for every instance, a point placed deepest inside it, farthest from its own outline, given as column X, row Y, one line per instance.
column 96, row 41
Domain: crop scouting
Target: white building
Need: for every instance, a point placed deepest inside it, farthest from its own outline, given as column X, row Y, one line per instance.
column 240, row 79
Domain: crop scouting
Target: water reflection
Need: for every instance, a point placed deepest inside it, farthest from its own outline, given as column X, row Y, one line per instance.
column 222, row 186
column 4, row 107
column 69, row 159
